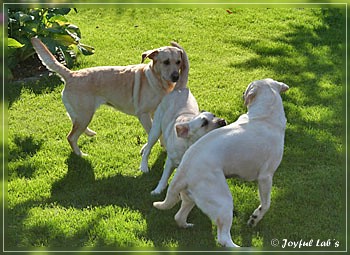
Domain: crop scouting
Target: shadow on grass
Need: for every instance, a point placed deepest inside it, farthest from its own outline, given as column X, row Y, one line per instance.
column 45, row 84
column 79, row 189
column 26, row 147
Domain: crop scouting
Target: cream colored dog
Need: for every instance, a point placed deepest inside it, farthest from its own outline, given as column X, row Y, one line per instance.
column 250, row 148
column 181, row 123
column 135, row 89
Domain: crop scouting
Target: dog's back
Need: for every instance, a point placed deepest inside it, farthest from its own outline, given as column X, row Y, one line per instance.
column 245, row 150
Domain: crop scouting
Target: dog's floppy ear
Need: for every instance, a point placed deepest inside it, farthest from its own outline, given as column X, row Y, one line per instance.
column 284, row 87
column 250, row 96
column 183, row 54
column 184, row 57
column 175, row 44
column 151, row 54
column 182, row 130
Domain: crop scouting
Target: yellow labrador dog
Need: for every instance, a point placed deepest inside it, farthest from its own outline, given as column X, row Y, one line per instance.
column 250, row 148
column 134, row 89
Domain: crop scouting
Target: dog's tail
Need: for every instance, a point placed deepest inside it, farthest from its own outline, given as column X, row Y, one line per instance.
column 49, row 60
column 173, row 194
column 182, row 82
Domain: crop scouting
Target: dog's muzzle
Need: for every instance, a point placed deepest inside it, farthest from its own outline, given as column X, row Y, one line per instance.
column 174, row 76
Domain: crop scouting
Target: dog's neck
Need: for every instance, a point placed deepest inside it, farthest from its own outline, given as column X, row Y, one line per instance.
column 273, row 111
column 179, row 86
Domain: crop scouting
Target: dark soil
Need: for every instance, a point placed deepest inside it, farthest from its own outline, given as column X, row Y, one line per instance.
column 31, row 67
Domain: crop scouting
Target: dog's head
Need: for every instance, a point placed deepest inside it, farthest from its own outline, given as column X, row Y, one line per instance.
column 199, row 126
column 266, row 88
column 167, row 62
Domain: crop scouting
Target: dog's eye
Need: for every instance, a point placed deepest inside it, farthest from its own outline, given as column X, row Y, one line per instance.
column 166, row 62
column 205, row 123
column 178, row 62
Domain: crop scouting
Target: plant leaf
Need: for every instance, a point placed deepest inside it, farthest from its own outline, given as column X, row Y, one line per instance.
column 60, row 11
column 68, row 59
column 13, row 43
column 74, row 29
column 86, row 49
column 74, row 36
column 64, row 39
column 59, row 19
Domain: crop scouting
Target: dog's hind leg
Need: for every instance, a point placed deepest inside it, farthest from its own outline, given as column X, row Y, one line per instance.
column 187, row 205
column 224, row 222
column 169, row 168
column 98, row 102
column 265, row 185
column 215, row 200
column 89, row 132
column 79, row 126
column 80, row 113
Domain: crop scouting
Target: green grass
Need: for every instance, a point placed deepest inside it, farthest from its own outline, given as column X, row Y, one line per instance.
column 58, row 200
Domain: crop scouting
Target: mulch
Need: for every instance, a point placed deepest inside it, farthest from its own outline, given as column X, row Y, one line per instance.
column 29, row 69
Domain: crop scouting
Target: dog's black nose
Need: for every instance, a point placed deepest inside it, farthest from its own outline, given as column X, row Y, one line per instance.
column 174, row 76
column 222, row 122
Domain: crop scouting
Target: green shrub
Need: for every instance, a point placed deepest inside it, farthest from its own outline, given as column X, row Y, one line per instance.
column 48, row 24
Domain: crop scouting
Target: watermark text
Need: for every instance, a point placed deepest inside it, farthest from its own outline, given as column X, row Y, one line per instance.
column 285, row 243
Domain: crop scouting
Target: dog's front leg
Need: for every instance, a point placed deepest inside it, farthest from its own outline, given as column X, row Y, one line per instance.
column 265, row 185
column 169, row 168
column 146, row 149
column 146, row 121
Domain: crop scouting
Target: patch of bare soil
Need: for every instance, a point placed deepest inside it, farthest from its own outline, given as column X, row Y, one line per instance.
column 30, row 69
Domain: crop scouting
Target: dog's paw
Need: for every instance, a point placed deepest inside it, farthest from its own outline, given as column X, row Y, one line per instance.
column 156, row 192
column 252, row 221
column 82, row 154
column 89, row 132
column 185, row 225
column 189, row 225
column 159, row 189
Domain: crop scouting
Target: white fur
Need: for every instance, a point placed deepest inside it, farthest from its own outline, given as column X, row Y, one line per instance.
column 250, row 148
column 179, row 120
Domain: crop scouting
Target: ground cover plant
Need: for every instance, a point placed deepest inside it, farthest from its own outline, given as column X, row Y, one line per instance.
column 50, row 25
column 58, row 200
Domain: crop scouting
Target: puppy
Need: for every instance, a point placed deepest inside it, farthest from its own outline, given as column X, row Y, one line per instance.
column 135, row 89
column 179, row 120
column 250, row 148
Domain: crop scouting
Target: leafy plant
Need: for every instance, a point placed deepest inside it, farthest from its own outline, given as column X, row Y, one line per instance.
column 48, row 24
